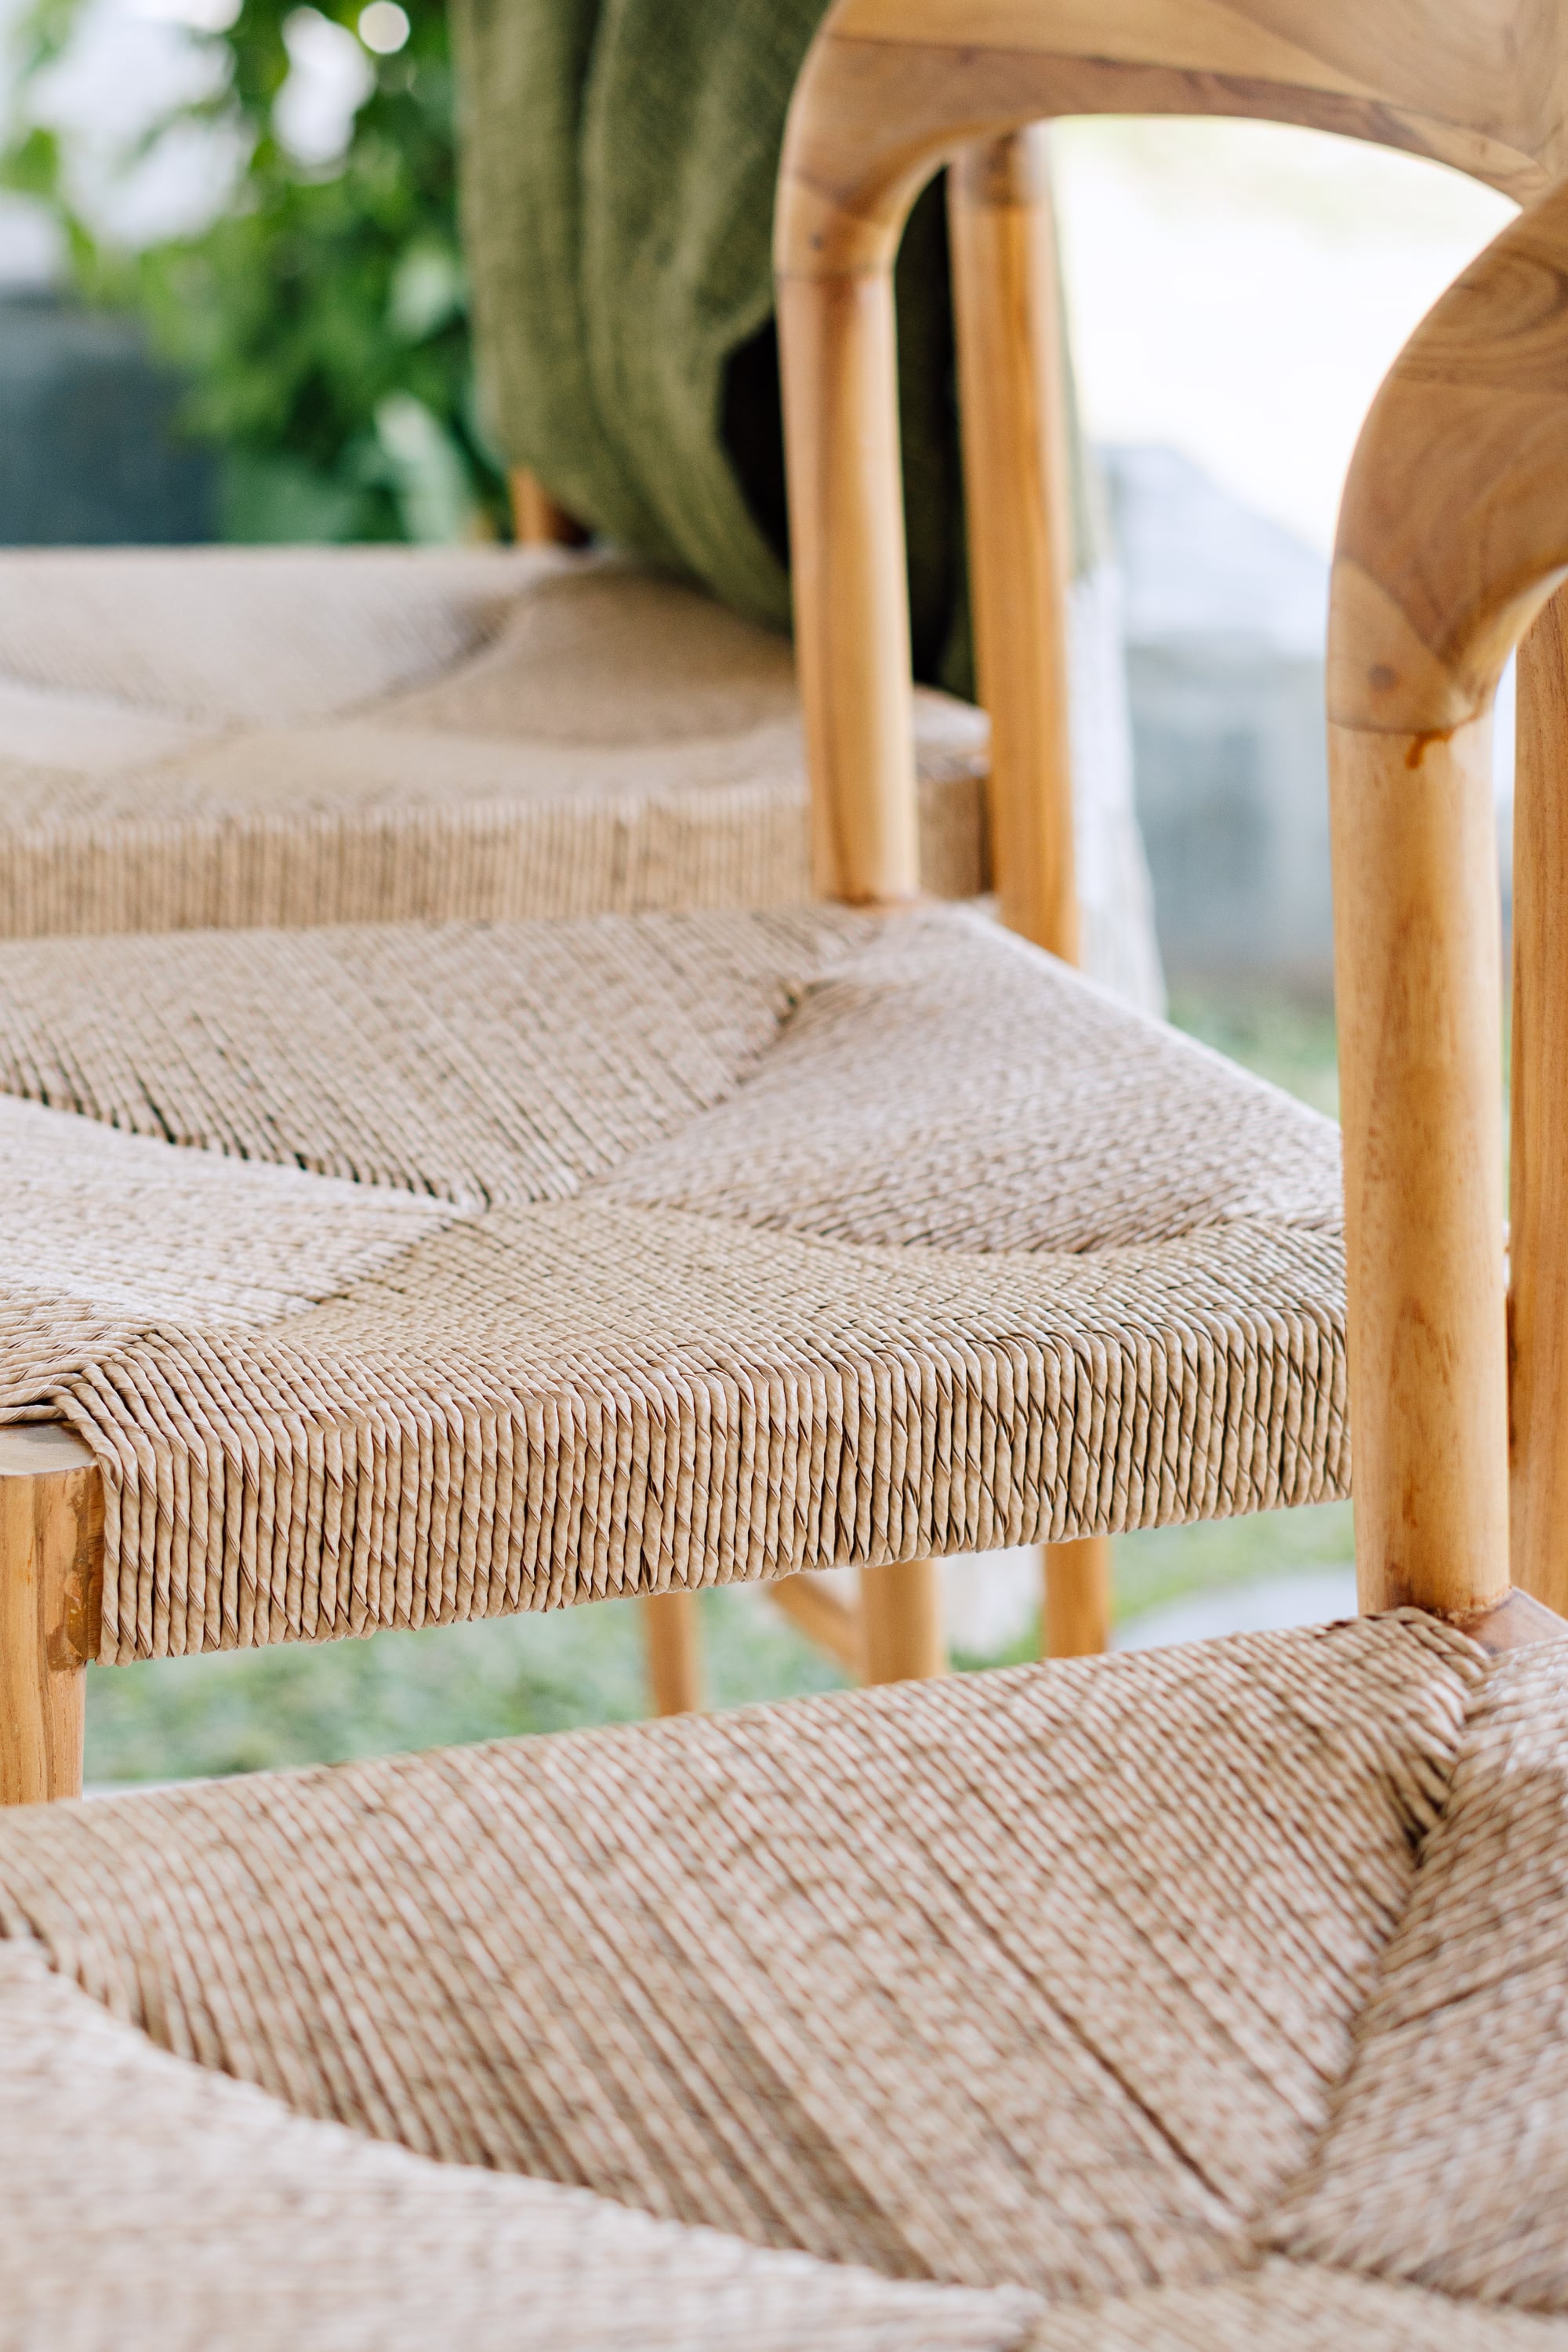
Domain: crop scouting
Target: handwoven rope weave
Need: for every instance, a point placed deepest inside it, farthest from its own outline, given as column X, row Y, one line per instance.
column 216, row 737
column 1448, row 2165
column 1289, row 2307
column 158, row 2206
column 404, row 1272
column 1066, row 1978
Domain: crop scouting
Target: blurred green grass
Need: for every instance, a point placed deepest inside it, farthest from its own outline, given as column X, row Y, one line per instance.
column 1288, row 1041
column 243, row 1710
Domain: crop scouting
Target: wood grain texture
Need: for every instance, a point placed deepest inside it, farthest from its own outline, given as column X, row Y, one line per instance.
column 1076, row 1621
column 1516, row 1622
column 839, row 361
column 1537, row 1101
column 902, row 1621
column 1417, row 985
column 892, row 87
column 51, row 1550
column 1453, row 531
column 1018, row 496
column 674, row 1660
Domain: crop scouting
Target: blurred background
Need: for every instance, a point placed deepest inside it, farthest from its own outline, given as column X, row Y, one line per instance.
column 233, row 306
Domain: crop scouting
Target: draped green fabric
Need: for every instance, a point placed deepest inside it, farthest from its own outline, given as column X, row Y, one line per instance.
column 618, row 167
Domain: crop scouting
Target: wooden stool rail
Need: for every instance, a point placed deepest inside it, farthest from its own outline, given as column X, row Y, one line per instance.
column 51, row 1560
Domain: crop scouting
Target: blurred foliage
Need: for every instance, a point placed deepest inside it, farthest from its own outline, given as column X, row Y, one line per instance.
column 1289, row 1040
column 321, row 320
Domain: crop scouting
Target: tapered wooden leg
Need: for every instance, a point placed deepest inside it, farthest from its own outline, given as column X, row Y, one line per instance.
column 900, row 1608
column 674, row 1668
column 51, row 1554
column 1538, row 1163
column 1077, row 1597
column 1018, row 495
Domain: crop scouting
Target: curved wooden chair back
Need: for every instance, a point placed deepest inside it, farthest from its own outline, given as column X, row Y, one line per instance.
column 1453, row 533
column 892, row 90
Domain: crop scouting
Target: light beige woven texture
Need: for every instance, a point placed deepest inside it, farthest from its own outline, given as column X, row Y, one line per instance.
column 1447, row 2164
column 147, row 2203
column 399, row 1273
column 1045, row 1978
column 1289, row 2307
column 217, row 736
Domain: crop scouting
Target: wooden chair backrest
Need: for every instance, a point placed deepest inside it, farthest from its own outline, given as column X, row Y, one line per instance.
column 891, row 86
column 1453, row 535
column 1454, row 528
column 890, row 89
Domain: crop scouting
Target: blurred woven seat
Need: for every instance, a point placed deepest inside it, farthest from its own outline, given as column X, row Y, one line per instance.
column 396, row 1274
column 279, row 736
column 1152, row 1986
column 215, row 2218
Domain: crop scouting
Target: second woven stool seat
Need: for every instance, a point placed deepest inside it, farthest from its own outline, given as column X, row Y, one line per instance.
column 401, row 1272
column 208, row 736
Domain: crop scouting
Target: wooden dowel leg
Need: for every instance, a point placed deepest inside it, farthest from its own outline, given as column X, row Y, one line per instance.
column 1077, row 1597
column 1538, row 1163
column 51, row 1548
column 1417, row 962
column 901, row 1616
column 1018, row 495
column 840, row 359
column 674, row 1667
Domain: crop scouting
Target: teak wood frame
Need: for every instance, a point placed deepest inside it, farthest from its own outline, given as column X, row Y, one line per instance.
column 891, row 90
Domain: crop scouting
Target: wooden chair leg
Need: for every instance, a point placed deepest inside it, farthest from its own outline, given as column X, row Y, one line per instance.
column 901, row 1616
column 1018, row 493
column 674, row 1667
column 1077, row 1597
column 51, row 1558
column 839, row 360
column 1538, row 1163
column 536, row 519
column 1418, row 961
column 823, row 1618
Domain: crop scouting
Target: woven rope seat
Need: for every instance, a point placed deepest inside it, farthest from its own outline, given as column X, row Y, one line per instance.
column 1203, row 1998
column 217, row 736
column 402, row 1272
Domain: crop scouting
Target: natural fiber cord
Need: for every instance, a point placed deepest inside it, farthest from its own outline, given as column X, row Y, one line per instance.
column 148, row 2205
column 1447, row 2164
column 1289, row 2307
column 1040, row 1977
column 409, row 1273
column 222, row 737
column 1044, row 1980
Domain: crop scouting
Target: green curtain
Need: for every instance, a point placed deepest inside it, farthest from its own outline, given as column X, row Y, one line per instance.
column 618, row 160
